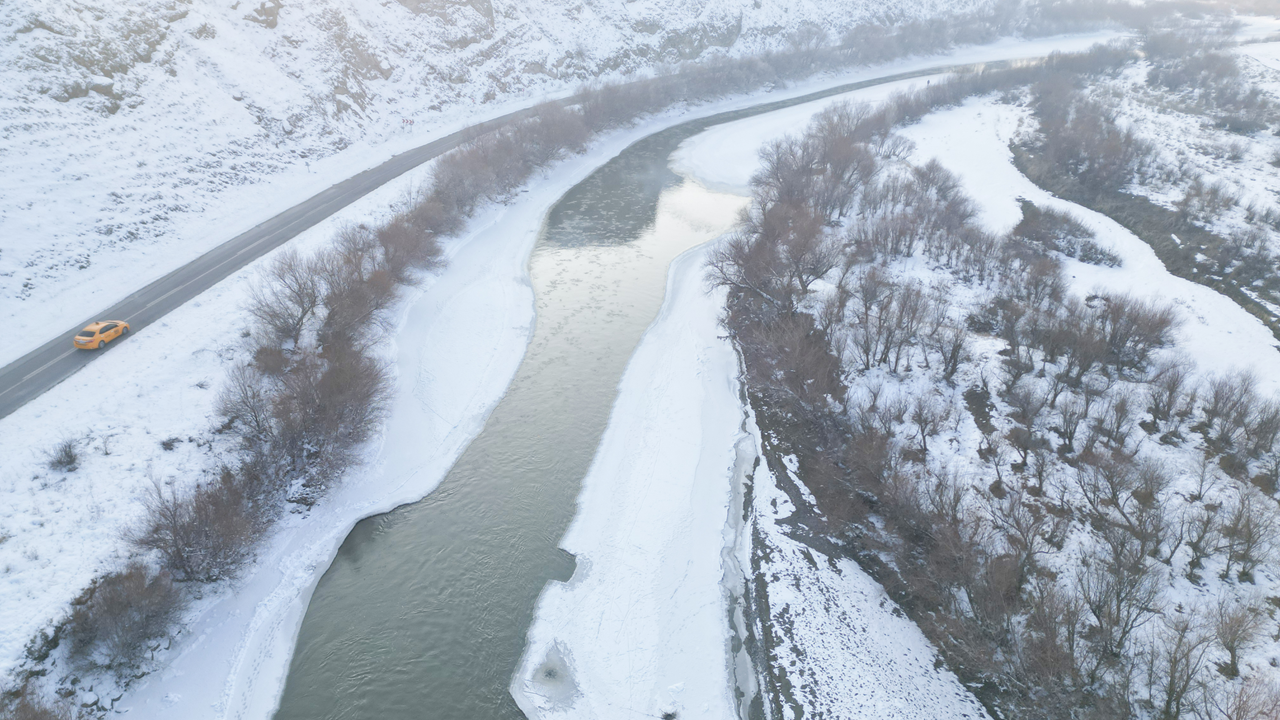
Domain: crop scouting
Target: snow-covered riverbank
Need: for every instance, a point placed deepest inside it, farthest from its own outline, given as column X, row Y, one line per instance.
column 641, row 629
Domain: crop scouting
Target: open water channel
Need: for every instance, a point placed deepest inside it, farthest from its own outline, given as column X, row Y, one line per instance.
column 424, row 611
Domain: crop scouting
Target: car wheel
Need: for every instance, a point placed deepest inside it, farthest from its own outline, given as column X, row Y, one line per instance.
column 124, row 332
column 102, row 344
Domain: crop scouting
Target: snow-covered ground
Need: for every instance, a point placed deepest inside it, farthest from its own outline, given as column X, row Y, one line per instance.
column 1265, row 53
column 847, row 650
column 59, row 530
column 1258, row 27
column 136, row 135
column 1189, row 144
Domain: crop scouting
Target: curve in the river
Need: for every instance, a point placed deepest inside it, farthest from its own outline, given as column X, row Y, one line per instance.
column 424, row 610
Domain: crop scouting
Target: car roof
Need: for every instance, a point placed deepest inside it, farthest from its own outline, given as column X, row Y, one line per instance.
column 99, row 324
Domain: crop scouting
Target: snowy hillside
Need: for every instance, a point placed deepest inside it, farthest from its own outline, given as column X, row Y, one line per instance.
column 136, row 135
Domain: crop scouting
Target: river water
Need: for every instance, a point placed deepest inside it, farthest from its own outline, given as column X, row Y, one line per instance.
column 424, row 611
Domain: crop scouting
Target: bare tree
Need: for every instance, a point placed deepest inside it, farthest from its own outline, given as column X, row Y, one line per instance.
column 1257, row 698
column 746, row 263
column 1204, row 535
column 1120, row 589
column 116, row 617
column 245, row 399
column 1178, row 660
column 1237, row 626
column 1025, row 528
column 1132, row 328
column 1114, row 421
column 286, row 296
column 1249, row 530
column 206, row 534
column 950, row 341
column 928, row 413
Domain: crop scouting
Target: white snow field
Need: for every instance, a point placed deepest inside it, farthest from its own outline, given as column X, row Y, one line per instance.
column 1266, row 53
column 458, row 342
column 136, row 135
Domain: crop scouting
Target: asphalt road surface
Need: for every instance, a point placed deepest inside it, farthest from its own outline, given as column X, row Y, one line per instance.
column 55, row 361
column 37, row 371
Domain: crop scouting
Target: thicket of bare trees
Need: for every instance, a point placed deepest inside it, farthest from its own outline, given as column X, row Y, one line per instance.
column 1082, row 140
column 1197, row 65
column 1062, row 233
column 826, row 326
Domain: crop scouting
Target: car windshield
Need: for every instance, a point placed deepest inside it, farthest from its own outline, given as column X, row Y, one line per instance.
column 86, row 333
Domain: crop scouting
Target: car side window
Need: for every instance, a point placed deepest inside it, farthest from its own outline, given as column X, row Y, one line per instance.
column 107, row 328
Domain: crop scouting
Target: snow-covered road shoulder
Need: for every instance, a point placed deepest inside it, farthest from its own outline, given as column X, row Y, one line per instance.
column 640, row 630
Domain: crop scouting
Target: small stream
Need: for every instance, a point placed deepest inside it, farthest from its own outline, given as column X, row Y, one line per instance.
column 424, row 611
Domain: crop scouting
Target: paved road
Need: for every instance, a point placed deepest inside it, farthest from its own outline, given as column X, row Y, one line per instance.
column 37, row 371
column 55, row 361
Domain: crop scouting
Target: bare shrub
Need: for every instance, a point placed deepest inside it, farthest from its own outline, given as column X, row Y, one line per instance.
column 1236, row 627
column 1046, row 652
column 286, row 296
column 1168, row 386
column 1061, row 232
column 1249, row 529
column 116, row 617
column 325, row 407
column 356, row 291
column 404, row 248
column 1132, row 328
column 64, row 457
column 246, row 399
column 928, row 413
column 1262, row 427
column 29, row 706
column 880, row 318
column 1205, row 202
column 1257, row 698
column 552, row 131
column 1177, row 662
column 206, row 534
column 1082, row 139
column 1229, row 399
column 270, row 359
column 1114, row 420
column 1211, row 78
column 789, row 362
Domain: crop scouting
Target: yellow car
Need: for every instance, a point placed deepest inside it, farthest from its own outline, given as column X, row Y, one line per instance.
column 97, row 335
